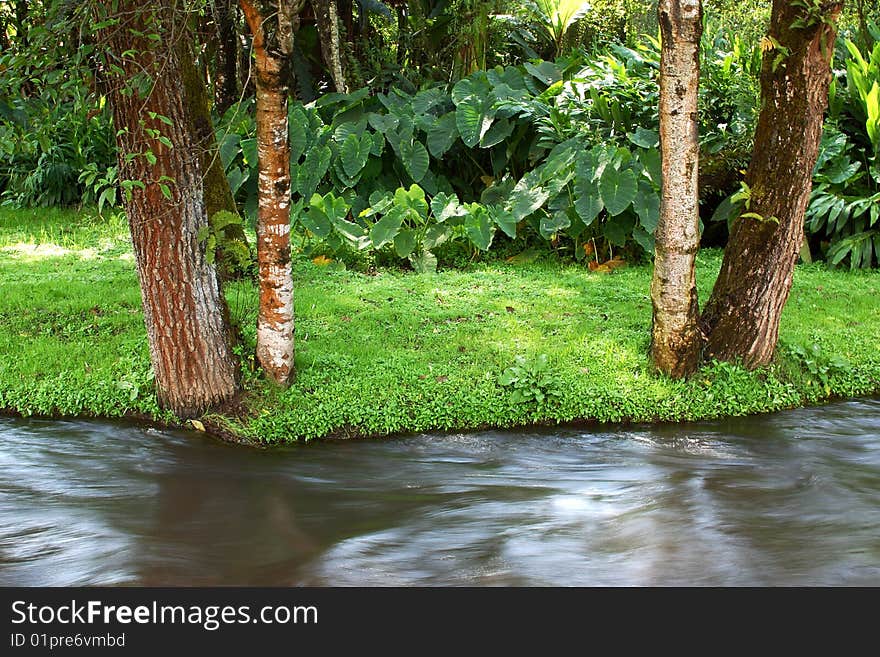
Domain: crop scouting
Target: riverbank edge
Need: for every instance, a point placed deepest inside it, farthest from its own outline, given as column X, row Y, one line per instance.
column 217, row 427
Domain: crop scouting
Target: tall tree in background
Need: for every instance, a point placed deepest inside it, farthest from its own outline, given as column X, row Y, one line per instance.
column 226, row 55
column 271, row 24
column 327, row 20
column 184, row 310
column 675, row 334
column 742, row 316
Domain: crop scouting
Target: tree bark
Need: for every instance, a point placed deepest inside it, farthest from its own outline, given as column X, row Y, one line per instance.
column 184, row 310
column 327, row 19
column 217, row 193
column 272, row 45
column 742, row 317
column 675, row 335
column 226, row 62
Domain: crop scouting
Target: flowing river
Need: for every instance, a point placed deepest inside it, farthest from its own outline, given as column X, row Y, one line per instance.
column 785, row 499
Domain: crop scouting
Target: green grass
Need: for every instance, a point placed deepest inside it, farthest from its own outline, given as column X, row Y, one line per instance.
column 397, row 352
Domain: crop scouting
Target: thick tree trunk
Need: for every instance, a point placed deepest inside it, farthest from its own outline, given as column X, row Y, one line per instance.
column 272, row 44
column 742, row 317
column 226, row 68
column 327, row 19
column 184, row 310
column 675, row 335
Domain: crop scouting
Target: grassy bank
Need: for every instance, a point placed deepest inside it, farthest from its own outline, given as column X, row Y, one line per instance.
column 394, row 351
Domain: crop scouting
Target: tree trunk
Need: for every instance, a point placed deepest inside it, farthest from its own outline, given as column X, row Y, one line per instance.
column 675, row 334
column 272, row 45
column 184, row 310
column 226, row 68
column 327, row 19
column 402, row 34
column 4, row 39
column 21, row 16
column 217, row 193
column 742, row 317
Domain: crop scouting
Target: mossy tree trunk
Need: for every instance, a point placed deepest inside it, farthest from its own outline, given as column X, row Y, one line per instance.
column 218, row 195
column 184, row 310
column 271, row 26
column 675, row 333
column 741, row 319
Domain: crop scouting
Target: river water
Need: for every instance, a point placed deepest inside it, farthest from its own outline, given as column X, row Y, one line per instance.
column 785, row 499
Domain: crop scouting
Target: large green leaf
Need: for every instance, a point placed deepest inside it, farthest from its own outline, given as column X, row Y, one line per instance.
column 644, row 138
column 378, row 144
column 342, row 180
column 385, row 230
column 504, row 220
column 312, row 170
column 436, row 235
column 405, row 243
column 526, row 200
column 235, row 176
column 840, row 170
column 587, row 202
column 445, row 206
column 424, row 263
column 229, row 148
column 501, row 130
column 415, row 160
column 472, row 121
column 413, row 201
column 324, row 212
column 249, row 152
column 298, row 139
column 348, row 128
column 425, row 100
column 354, row 152
column 647, row 206
column 442, row 135
column 383, row 123
column 644, row 239
column 478, row 227
column 546, row 72
column 468, row 88
column 650, row 159
column 316, row 222
column 332, row 206
column 618, row 189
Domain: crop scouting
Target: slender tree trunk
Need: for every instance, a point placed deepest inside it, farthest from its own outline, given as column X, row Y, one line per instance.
column 327, row 18
column 675, row 334
column 402, row 34
column 273, row 44
column 742, row 316
column 21, row 16
column 184, row 310
column 226, row 69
